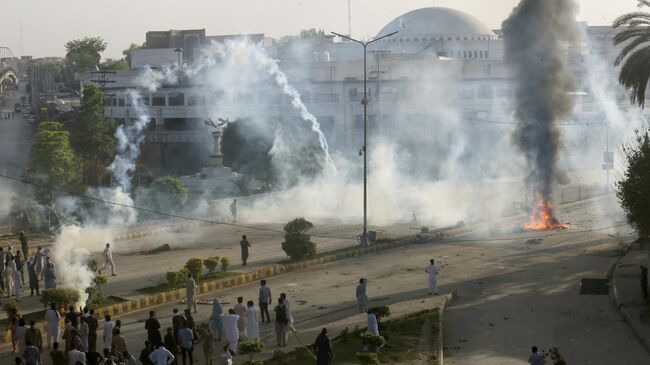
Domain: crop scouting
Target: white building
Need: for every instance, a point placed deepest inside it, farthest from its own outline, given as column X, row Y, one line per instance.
column 441, row 59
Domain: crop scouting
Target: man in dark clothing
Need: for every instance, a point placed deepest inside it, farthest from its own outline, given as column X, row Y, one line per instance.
column 178, row 322
column 244, row 249
column 144, row 354
column 23, row 244
column 323, row 349
column 72, row 317
column 93, row 324
column 33, row 278
column 171, row 344
column 153, row 329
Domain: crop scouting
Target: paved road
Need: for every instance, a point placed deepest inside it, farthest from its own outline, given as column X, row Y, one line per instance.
column 15, row 138
column 511, row 294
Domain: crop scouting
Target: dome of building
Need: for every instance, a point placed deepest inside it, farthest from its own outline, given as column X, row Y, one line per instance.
column 437, row 22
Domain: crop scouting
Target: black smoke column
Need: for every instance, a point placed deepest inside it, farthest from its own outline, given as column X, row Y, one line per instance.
column 537, row 36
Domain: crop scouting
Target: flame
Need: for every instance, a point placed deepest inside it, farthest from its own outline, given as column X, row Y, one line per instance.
column 542, row 217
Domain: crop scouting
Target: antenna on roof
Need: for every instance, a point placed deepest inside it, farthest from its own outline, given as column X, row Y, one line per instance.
column 350, row 18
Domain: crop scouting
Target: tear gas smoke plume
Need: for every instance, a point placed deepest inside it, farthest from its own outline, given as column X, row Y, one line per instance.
column 536, row 39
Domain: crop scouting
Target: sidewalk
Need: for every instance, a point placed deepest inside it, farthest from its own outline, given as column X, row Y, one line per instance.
column 626, row 289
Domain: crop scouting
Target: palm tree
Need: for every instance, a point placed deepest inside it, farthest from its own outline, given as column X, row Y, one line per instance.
column 635, row 56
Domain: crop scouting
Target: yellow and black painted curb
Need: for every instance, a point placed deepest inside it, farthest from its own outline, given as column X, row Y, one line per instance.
column 239, row 279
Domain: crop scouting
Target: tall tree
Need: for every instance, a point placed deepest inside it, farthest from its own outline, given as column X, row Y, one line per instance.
column 84, row 53
column 633, row 187
column 92, row 135
column 635, row 55
column 52, row 160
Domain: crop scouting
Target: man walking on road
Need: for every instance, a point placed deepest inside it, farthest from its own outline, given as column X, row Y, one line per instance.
column 432, row 270
column 233, row 210
column 264, row 301
column 153, row 329
column 190, row 289
column 108, row 260
column 323, row 348
column 39, row 259
column 362, row 297
column 244, row 249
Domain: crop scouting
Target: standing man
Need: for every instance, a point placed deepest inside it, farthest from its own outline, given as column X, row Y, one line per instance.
column 240, row 310
column 186, row 342
column 244, row 249
column 52, row 325
column 230, row 329
column 23, row 244
column 178, row 322
column 290, row 326
column 33, row 277
column 39, row 258
column 265, row 301
column 49, row 274
column 252, row 326
column 281, row 322
column 20, row 265
column 233, row 210
column 190, row 288
column 362, row 298
column 153, row 329
column 161, row 356
column 108, row 260
column 323, row 349
column 432, row 270
column 93, row 325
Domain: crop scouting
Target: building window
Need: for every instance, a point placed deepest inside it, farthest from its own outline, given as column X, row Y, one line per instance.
column 464, row 54
column 475, row 54
column 176, row 98
column 158, row 100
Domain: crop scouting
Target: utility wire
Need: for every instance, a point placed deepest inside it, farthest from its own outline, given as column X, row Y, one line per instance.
column 169, row 215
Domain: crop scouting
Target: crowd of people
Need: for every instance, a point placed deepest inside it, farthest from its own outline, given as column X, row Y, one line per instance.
column 12, row 270
column 77, row 342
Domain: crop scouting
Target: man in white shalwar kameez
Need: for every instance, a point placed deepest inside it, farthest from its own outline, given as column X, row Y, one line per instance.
column 241, row 311
column 252, row 324
column 52, row 325
column 39, row 262
column 18, row 284
column 230, row 329
column 290, row 326
column 373, row 328
column 432, row 270
column 362, row 297
column 9, row 280
column 108, row 260
column 190, row 289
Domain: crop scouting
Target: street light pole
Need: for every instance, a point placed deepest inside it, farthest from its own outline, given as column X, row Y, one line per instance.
column 364, row 149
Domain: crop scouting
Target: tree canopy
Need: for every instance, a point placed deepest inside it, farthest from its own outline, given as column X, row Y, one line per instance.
column 633, row 187
column 127, row 52
column 52, row 160
column 245, row 149
column 166, row 194
column 633, row 37
column 92, row 135
column 85, row 53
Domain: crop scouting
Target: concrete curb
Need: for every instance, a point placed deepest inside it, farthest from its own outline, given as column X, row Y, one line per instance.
column 619, row 306
column 441, row 340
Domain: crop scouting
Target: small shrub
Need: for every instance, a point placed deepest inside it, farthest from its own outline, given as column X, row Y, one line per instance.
column 61, row 297
column 10, row 306
column 92, row 265
column 367, row 358
column 297, row 244
column 225, row 263
column 251, row 348
column 211, row 263
column 372, row 340
column 195, row 266
column 176, row 279
column 381, row 311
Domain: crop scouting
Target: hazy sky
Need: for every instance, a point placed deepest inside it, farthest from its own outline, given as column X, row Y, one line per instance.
column 48, row 24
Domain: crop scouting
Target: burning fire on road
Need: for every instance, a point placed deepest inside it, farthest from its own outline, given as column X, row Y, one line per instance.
column 542, row 217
